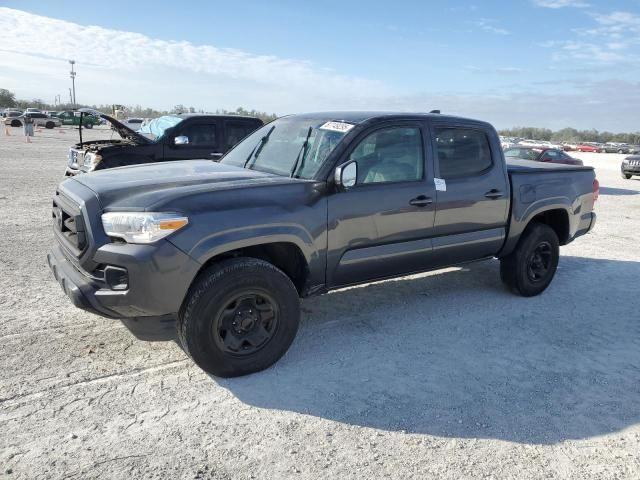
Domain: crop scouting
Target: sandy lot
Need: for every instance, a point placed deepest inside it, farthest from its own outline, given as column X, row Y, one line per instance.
column 444, row 375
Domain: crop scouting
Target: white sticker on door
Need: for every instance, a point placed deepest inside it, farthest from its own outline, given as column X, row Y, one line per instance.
column 441, row 185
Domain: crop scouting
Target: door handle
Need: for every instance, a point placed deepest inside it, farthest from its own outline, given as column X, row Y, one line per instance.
column 493, row 194
column 421, row 201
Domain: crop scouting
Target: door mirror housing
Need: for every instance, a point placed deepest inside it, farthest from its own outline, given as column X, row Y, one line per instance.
column 346, row 175
column 181, row 140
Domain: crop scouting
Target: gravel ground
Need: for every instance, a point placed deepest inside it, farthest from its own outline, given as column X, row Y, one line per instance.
column 443, row 375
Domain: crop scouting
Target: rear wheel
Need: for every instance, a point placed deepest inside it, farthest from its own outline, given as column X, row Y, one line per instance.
column 530, row 268
column 49, row 125
column 16, row 123
column 240, row 316
column 88, row 125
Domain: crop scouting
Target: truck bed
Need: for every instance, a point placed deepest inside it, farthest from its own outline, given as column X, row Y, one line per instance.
column 517, row 165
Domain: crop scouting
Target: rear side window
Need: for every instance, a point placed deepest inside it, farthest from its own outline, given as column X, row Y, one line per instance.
column 462, row 152
column 236, row 131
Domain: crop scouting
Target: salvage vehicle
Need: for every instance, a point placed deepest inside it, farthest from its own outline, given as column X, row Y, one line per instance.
column 167, row 138
column 630, row 166
column 541, row 154
column 307, row 204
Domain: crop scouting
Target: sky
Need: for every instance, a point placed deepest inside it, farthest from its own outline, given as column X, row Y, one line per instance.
column 544, row 63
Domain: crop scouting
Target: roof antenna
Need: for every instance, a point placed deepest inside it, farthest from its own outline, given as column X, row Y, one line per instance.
column 434, row 111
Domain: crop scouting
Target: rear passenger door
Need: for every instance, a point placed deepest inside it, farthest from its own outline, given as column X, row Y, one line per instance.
column 204, row 140
column 472, row 198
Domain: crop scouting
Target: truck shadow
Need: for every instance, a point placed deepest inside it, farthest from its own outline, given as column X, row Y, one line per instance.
column 617, row 191
column 454, row 354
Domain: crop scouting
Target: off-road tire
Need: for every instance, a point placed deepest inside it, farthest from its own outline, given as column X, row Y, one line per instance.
column 515, row 267
column 206, row 300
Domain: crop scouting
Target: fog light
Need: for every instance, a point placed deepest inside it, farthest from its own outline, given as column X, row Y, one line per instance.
column 116, row 277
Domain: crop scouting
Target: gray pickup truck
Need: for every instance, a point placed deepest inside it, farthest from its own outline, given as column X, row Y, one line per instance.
column 306, row 204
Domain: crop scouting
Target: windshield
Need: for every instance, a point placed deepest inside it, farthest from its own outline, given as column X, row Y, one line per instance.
column 156, row 127
column 290, row 146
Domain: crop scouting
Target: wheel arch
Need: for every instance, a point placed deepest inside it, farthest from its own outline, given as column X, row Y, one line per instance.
column 283, row 254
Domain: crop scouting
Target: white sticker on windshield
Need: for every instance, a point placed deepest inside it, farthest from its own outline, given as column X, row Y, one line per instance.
column 441, row 185
column 337, row 127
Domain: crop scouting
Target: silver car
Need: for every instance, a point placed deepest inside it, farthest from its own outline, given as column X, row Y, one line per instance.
column 39, row 120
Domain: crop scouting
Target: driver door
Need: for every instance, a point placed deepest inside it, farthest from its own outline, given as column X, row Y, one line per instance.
column 204, row 140
column 381, row 226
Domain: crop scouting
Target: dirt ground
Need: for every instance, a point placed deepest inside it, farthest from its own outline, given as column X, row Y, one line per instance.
column 443, row 375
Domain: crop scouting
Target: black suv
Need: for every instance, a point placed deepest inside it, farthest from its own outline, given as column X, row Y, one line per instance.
column 171, row 137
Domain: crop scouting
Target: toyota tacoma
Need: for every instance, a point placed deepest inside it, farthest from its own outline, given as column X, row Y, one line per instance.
column 304, row 205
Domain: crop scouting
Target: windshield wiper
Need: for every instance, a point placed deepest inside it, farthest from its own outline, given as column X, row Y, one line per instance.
column 254, row 156
column 301, row 154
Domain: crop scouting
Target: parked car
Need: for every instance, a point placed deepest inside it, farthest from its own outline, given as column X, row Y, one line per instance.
column 11, row 117
column 133, row 123
column 71, row 117
column 172, row 137
column 614, row 148
column 630, row 166
column 304, row 205
column 588, row 147
column 552, row 155
column 39, row 120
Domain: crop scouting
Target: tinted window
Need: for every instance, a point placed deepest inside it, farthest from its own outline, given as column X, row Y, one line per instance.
column 462, row 152
column 236, row 131
column 390, row 155
column 554, row 154
column 200, row 134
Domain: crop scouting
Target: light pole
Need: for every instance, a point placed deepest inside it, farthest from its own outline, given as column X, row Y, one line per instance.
column 73, row 82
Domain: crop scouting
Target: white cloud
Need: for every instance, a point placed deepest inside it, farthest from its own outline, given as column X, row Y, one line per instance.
column 131, row 68
column 128, row 67
column 488, row 25
column 560, row 3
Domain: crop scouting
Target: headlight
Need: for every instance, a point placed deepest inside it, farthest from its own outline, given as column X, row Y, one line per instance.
column 142, row 227
column 91, row 160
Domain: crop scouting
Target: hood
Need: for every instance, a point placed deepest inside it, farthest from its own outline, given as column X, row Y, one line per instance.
column 123, row 130
column 140, row 187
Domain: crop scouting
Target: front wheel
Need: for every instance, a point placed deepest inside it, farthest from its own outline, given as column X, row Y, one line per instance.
column 530, row 268
column 239, row 317
column 626, row 176
column 49, row 125
column 89, row 125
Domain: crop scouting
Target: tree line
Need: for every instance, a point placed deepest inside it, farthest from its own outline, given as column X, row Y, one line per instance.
column 571, row 135
column 8, row 99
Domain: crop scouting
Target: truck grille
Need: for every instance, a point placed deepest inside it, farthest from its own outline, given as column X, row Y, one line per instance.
column 68, row 224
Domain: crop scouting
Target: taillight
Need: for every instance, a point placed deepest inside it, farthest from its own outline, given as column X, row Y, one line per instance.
column 596, row 189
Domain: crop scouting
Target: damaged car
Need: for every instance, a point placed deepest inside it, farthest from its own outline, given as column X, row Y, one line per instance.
column 167, row 138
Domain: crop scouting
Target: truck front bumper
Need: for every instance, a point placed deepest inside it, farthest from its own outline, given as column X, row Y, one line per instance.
column 157, row 279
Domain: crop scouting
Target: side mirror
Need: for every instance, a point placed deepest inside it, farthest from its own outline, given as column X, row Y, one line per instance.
column 181, row 140
column 346, row 175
